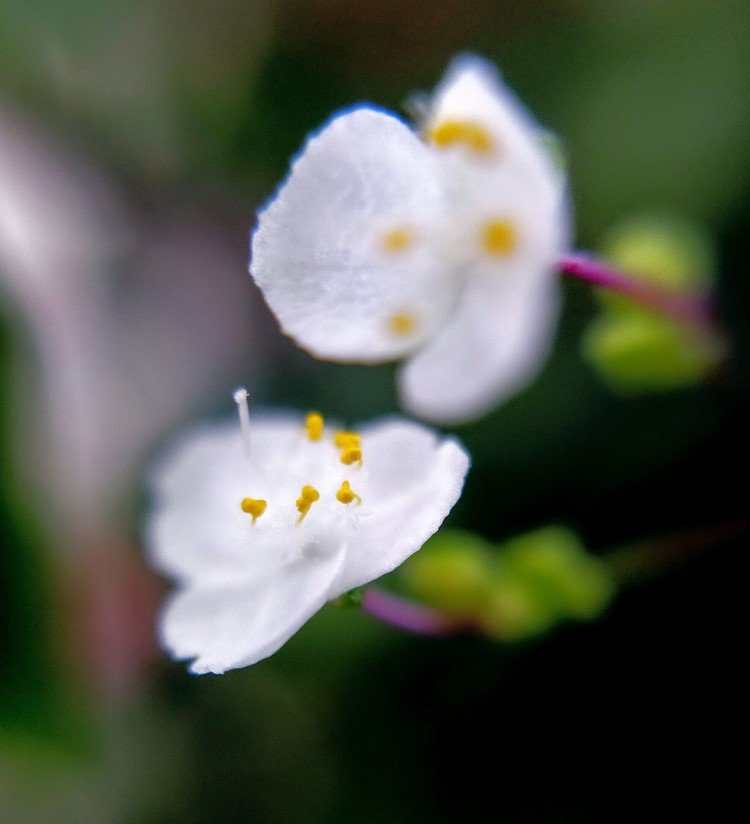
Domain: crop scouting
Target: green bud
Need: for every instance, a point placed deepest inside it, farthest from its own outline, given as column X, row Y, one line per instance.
column 638, row 351
column 450, row 572
column 543, row 578
column 665, row 251
column 555, row 561
column 514, row 611
column 351, row 599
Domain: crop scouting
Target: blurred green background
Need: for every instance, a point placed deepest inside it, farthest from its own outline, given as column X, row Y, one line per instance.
column 137, row 139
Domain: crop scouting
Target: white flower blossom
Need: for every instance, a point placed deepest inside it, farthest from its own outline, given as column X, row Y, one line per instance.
column 437, row 247
column 261, row 525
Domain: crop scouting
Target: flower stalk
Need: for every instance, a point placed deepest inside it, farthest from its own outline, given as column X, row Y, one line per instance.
column 694, row 308
column 408, row 615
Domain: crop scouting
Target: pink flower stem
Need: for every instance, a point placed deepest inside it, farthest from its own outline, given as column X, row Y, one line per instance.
column 694, row 308
column 408, row 616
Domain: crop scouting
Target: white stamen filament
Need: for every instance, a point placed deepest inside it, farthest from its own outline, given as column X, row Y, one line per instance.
column 243, row 408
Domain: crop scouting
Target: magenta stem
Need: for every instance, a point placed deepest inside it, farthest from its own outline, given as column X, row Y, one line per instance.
column 408, row 616
column 693, row 308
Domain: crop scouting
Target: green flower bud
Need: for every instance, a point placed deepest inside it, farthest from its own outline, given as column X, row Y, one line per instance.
column 663, row 250
column 555, row 562
column 637, row 351
column 351, row 599
column 514, row 610
column 451, row 572
column 543, row 578
column 633, row 348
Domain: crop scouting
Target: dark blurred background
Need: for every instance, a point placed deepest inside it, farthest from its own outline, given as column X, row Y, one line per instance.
column 137, row 139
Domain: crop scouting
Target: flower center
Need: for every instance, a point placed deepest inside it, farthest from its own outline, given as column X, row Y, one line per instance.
column 348, row 442
column 469, row 134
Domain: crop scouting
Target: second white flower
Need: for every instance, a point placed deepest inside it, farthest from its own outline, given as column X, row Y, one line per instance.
column 383, row 244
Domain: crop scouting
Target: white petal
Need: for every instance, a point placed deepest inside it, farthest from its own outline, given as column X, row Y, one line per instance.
column 472, row 91
column 494, row 345
column 240, row 622
column 500, row 334
column 415, row 478
column 318, row 253
column 197, row 528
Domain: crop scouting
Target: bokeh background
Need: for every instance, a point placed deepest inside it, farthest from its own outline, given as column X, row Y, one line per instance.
column 137, row 140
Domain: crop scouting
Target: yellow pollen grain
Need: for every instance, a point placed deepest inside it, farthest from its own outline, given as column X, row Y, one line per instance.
column 346, row 438
column 398, row 239
column 307, row 497
column 471, row 135
column 499, row 238
column 253, row 506
column 346, row 494
column 314, row 424
column 351, row 455
column 402, row 324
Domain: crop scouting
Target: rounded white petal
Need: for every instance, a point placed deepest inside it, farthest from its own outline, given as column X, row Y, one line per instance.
column 494, row 345
column 196, row 528
column 321, row 252
column 501, row 330
column 240, row 622
column 473, row 92
column 414, row 478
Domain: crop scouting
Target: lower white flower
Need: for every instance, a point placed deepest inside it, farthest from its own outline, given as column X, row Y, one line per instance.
column 438, row 247
column 260, row 525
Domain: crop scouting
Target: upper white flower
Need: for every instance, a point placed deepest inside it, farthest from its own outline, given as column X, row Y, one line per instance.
column 384, row 244
column 261, row 525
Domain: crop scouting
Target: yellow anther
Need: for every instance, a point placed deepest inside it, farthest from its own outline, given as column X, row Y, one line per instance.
column 350, row 445
column 345, row 439
column 314, row 425
column 402, row 324
column 350, row 455
column 253, row 506
column 398, row 239
column 499, row 238
column 346, row 494
column 463, row 133
column 307, row 497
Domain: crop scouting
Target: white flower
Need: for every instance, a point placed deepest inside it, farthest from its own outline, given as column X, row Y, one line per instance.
column 262, row 525
column 382, row 244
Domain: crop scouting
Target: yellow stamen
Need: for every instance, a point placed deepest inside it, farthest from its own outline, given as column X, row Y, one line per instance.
column 314, row 425
column 398, row 240
column 402, row 323
column 346, row 494
column 253, row 506
column 471, row 135
column 307, row 498
column 499, row 238
column 350, row 455
column 344, row 439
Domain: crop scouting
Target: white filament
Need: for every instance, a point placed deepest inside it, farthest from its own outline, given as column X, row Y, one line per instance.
column 243, row 408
